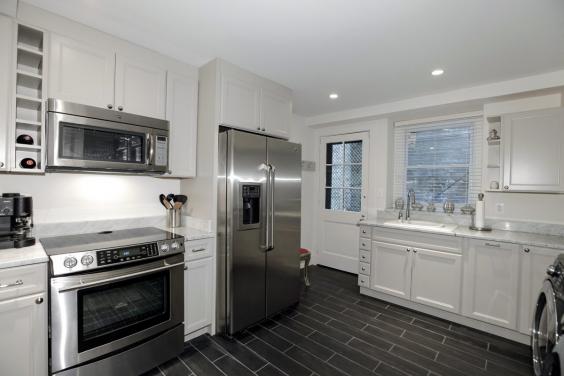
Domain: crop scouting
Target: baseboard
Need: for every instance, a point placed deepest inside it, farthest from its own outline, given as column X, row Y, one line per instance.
column 454, row 317
column 197, row 333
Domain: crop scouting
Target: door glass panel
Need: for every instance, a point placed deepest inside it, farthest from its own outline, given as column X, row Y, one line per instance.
column 343, row 176
column 113, row 311
column 95, row 144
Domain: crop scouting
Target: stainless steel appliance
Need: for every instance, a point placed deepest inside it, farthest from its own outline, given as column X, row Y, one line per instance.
column 258, row 228
column 547, row 339
column 117, row 301
column 83, row 137
column 16, row 221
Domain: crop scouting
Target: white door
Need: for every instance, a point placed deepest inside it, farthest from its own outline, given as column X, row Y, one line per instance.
column 6, row 54
column 275, row 112
column 534, row 261
column 533, row 147
column 140, row 87
column 343, row 171
column 181, row 112
column 391, row 266
column 436, row 279
column 491, row 282
column 198, row 294
column 239, row 101
column 23, row 343
column 81, row 73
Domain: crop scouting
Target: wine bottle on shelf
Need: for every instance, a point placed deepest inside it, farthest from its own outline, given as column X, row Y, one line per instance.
column 28, row 163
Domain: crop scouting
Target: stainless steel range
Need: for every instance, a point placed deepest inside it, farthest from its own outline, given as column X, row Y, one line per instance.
column 117, row 301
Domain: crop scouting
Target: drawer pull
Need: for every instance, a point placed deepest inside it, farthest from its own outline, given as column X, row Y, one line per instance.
column 497, row 245
column 198, row 250
column 19, row 282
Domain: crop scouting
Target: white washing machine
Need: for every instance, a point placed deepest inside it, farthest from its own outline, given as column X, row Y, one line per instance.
column 547, row 338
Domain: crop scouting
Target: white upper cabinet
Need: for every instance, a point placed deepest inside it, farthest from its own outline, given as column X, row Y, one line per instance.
column 391, row 269
column 534, row 262
column 239, row 100
column 533, row 151
column 6, row 55
column 181, row 112
column 140, row 87
column 491, row 284
column 436, row 279
column 81, row 73
column 276, row 112
column 248, row 101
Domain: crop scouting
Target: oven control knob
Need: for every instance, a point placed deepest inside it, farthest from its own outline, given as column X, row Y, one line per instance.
column 70, row 262
column 175, row 245
column 164, row 248
column 87, row 260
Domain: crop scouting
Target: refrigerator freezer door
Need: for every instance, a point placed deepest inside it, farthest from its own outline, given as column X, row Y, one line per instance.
column 245, row 214
column 283, row 263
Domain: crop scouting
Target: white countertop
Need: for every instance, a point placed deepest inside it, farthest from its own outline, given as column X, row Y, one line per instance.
column 12, row 257
column 189, row 233
column 516, row 237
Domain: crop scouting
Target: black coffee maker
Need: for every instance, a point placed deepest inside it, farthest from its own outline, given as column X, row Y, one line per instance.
column 16, row 221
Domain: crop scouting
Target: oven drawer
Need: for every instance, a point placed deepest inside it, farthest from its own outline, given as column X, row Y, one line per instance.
column 197, row 249
column 22, row 281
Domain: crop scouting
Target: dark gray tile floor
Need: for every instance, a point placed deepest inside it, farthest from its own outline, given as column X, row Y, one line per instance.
column 337, row 331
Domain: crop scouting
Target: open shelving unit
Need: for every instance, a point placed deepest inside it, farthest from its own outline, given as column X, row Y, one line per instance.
column 29, row 97
column 493, row 166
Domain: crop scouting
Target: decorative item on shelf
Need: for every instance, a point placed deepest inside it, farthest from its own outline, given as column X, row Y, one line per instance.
column 431, row 207
column 494, row 184
column 493, row 137
column 399, row 204
column 24, row 139
column 478, row 218
column 467, row 209
column 28, row 163
column 448, row 206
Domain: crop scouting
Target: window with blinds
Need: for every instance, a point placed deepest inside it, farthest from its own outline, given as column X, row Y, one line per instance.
column 439, row 161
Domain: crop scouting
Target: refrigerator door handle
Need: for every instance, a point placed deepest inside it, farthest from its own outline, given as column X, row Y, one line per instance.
column 266, row 168
column 271, row 209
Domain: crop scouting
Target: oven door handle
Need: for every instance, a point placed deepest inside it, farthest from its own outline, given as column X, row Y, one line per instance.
column 118, row 278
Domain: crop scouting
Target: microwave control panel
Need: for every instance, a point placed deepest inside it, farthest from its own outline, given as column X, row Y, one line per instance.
column 161, row 151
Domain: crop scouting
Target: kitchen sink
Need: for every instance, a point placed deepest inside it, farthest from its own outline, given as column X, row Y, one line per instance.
column 421, row 225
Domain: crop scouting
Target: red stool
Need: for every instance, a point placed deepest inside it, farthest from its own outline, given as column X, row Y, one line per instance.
column 305, row 255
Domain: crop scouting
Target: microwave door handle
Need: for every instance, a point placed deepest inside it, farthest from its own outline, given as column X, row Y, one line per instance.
column 79, row 286
column 150, row 149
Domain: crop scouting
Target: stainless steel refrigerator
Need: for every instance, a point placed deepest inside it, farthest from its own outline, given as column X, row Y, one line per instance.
column 259, row 203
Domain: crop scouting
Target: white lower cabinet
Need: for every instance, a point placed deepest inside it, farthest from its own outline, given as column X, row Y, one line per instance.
column 435, row 279
column 198, row 294
column 491, row 282
column 534, row 262
column 391, row 269
column 23, row 322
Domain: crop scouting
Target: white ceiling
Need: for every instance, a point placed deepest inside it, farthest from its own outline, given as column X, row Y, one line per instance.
column 369, row 51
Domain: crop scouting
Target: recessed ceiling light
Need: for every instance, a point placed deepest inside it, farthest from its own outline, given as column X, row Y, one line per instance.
column 437, row 72
column 333, row 95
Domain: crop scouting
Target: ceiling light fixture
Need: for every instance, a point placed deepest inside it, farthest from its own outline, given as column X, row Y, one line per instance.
column 437, row 72
column 333, row 95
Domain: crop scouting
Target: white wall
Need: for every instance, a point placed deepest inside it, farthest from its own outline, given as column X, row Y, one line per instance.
column 60, row 197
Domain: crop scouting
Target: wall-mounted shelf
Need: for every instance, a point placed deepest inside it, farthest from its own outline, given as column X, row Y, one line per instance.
column 29, row 97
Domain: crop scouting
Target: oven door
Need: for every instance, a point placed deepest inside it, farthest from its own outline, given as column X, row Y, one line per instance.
column 78, row 142
column 93, row 315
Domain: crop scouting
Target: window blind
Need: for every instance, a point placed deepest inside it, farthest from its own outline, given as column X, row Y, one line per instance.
column 440, row 161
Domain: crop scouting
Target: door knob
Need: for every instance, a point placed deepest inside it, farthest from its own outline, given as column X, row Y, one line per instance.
column 110, row 106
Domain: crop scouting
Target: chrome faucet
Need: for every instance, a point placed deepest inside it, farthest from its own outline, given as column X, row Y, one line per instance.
column 409, row 204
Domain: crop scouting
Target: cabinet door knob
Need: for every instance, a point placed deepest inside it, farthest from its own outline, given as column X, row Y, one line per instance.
column 258, row 128
column 263, row 129
column 506, row 187
column 38, row 300
column 1, row 164
column 120, row 108
column 527, row 250
column 110, row 106
column 408, row 250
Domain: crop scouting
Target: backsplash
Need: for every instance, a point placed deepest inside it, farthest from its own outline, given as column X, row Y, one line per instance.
column 465, row 220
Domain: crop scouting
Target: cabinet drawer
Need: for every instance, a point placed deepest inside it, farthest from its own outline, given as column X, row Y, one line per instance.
column 365, row 231
column 364, row 268
column 22, row 281
column 365, row 244
column 439, row 242
column 363, row 280
column 197, row 249
column 364, row 256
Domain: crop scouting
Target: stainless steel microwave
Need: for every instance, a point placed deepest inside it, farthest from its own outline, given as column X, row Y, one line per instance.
column 81, row 137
